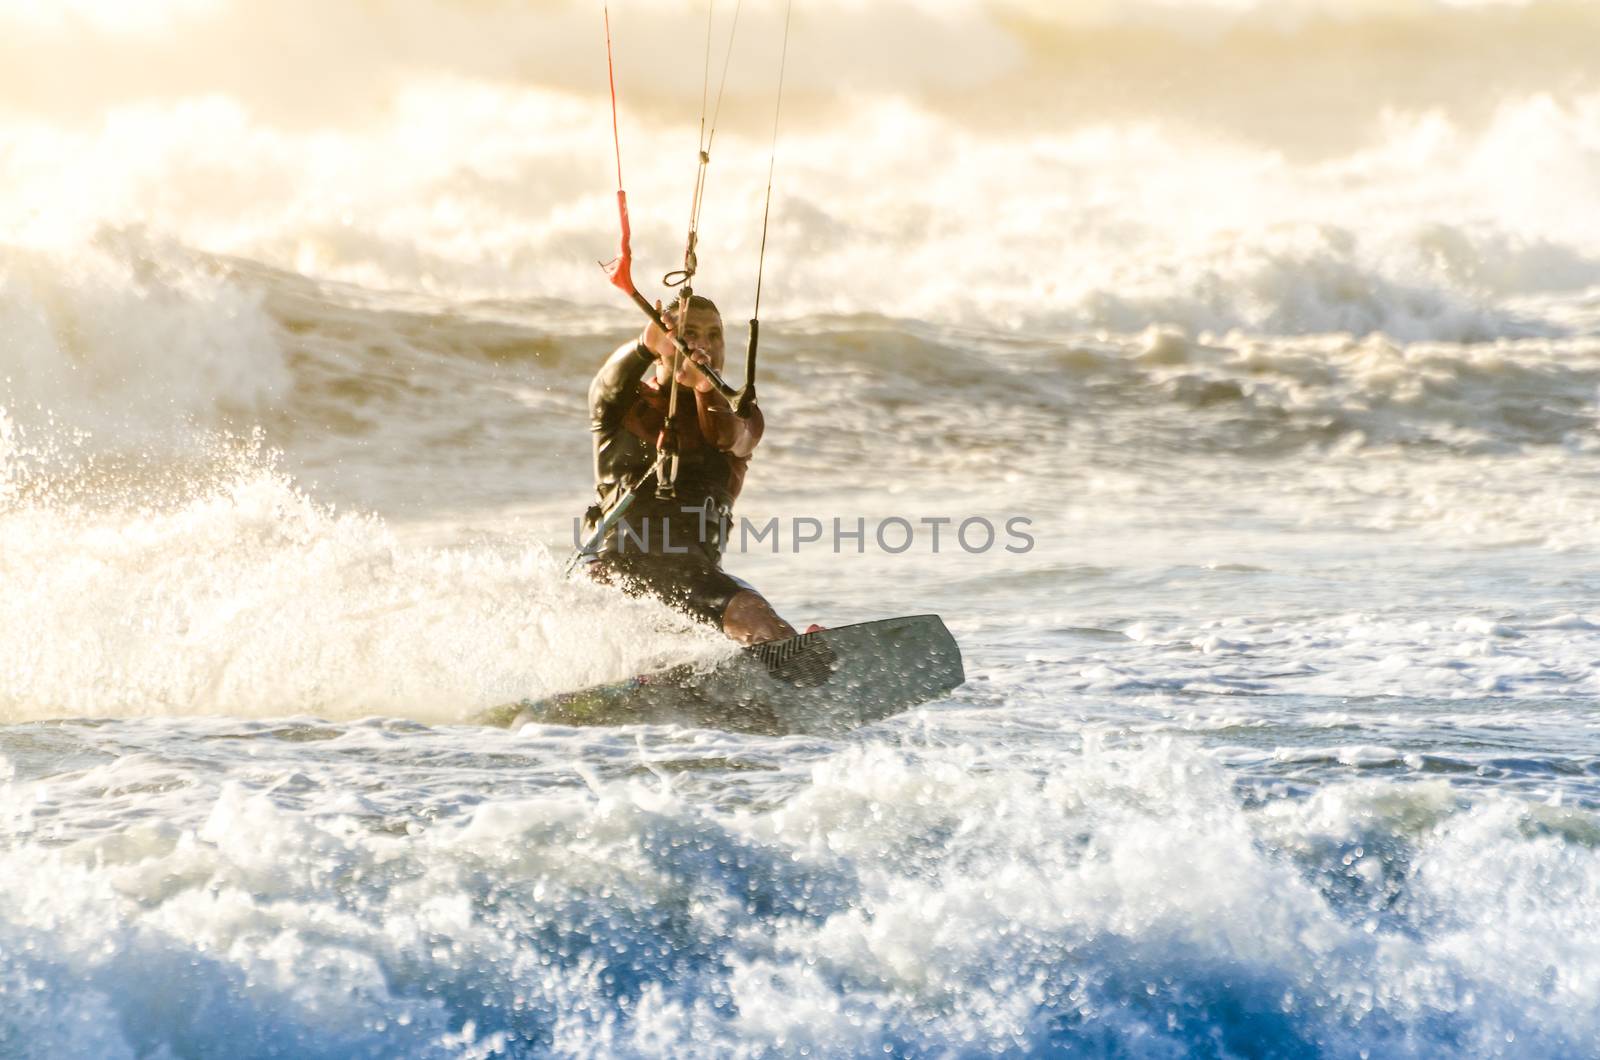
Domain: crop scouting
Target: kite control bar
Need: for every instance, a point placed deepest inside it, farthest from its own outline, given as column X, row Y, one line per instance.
column 743, row 398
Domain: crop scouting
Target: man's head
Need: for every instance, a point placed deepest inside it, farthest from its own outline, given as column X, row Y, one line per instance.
column 701, row 331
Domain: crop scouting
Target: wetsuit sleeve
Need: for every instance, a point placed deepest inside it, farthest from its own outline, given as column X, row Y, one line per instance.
column 616, row 385
column 725, row 430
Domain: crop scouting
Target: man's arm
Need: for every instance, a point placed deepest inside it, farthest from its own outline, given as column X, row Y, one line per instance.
column 724, row 428
column 616, row 385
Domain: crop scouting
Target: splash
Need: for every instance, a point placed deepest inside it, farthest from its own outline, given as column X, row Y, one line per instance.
column 221, row 588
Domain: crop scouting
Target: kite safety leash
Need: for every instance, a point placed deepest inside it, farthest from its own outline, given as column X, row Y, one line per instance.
column 607, row 524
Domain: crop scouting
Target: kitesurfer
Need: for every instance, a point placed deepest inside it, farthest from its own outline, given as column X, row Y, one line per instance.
column 671, row 547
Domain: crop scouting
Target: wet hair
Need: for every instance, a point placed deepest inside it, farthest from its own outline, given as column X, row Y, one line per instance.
column 698, row 301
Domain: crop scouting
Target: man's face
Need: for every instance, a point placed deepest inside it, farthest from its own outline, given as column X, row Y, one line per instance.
column 703, row 331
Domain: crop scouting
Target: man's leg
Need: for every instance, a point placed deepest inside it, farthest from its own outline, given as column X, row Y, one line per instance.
column 749, row 619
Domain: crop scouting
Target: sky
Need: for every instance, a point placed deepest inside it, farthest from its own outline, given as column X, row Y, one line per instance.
column 1307, row 75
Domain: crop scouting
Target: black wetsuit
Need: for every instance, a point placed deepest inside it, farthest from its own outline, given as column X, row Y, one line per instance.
column 671, row 549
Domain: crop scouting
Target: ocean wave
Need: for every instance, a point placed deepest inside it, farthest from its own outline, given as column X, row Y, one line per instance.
column 137, row 346
column 444, row 895
column 117, row 339
column 1421, row 226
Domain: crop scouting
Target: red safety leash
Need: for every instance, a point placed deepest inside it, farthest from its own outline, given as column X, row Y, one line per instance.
column 620, row 268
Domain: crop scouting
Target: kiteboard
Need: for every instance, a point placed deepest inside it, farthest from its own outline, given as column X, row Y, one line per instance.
column 823, row 683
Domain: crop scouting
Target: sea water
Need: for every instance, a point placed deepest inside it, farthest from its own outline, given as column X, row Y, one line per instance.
column 1276, row 327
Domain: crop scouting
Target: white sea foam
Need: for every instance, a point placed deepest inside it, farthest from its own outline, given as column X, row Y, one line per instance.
column 898, row 901
column 248, row 598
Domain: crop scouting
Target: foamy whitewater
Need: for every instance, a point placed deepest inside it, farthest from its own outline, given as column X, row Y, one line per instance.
column 1280, row 323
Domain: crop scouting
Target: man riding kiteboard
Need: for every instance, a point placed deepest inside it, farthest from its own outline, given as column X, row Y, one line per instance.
column 670, row 452
column 671, row 547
